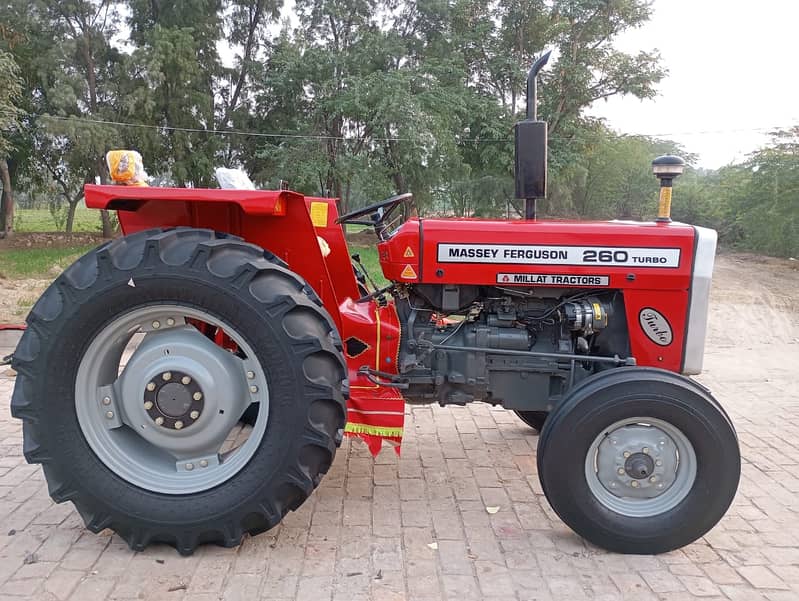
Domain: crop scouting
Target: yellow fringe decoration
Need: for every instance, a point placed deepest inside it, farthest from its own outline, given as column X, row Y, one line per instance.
column 373, row 430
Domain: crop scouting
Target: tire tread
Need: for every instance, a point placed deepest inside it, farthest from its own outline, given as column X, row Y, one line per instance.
column 222, row 257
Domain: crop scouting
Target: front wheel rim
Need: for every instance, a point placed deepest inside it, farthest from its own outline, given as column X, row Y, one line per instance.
column 640, row 467
column 167, row 421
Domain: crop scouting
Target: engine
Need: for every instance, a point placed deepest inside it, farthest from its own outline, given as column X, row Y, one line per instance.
column 508, row 346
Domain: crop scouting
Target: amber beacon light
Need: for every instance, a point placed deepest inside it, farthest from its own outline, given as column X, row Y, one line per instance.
column 666, row 168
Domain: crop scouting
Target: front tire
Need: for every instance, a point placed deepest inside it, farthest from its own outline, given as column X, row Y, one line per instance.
column 287, row 344
column 534, row 419
column 639, row 460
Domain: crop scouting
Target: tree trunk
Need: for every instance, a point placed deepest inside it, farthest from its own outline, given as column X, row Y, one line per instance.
column 346, row 200
column 71, row 216
column 105, row 216
column 6, row 201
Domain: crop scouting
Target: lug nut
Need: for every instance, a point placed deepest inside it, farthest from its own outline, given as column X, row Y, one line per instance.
column 151, row 386
column 197, row 396
column 253, row 389
column 203, row 463
column 194, row 414
column 156, row 325
column 645, row 450
column 634, row 483
column 185, row 380
column 106, row 400
column 653, row 479
column 109, row 414
column 166, row 375
column 178, row 425
column 250, row 375
column 620, row 471
column 658, row 462
column 148, row 405
column 170, row 322
column 626, row 454
column 189, row 466
column 159, row 421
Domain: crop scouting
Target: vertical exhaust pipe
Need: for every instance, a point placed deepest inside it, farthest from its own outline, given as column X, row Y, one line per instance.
column 531, row 147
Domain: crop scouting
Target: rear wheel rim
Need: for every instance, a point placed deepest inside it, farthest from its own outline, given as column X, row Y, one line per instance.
column 168, row 421
column 640, row 467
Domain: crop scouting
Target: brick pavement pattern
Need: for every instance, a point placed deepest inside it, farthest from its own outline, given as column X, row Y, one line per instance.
column 416, row 528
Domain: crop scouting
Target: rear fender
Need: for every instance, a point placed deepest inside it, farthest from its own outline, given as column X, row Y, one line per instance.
column 283, row 222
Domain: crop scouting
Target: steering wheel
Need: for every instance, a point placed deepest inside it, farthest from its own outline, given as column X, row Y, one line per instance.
column 378, row 213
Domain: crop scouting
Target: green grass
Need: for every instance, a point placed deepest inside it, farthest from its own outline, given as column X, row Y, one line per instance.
column 39, row 263
column 354, row 229
column 41, row 220
column 370, row 262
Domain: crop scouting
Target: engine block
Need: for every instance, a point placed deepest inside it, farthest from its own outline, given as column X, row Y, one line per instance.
column 504, row 346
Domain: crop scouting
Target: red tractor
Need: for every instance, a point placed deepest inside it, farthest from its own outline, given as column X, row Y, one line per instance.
column 190, row 382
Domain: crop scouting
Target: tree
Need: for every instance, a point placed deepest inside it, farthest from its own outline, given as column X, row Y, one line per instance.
column 83, row 29
column 10, row 115
column 356, row 99
column 175, row 67
column 761, row 197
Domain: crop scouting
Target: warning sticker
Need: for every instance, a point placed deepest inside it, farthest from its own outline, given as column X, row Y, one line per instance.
column 279, row 208
column 408, row 273
column 408, row 253
column 528, row 254
column 319, row 214
column 550, row 279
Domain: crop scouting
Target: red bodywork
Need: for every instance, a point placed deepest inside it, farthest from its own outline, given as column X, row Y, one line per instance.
column 287, row 223
column 643, row 286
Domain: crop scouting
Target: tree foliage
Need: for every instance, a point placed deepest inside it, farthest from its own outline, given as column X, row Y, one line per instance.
column 10, row 93
column 360, row 99
column 10, row 121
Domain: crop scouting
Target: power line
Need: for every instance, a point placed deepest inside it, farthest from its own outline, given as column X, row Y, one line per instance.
column 237, row 132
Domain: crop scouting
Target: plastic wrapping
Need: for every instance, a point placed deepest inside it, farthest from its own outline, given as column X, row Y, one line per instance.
column 233, row 179
column 126, row 167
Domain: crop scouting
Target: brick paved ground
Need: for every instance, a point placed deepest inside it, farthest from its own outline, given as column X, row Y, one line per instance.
column 417, row 528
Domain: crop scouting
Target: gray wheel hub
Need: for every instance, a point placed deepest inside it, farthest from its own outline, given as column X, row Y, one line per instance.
column 162, row 420
column 640, row 467
column 214, row 373
column 175, row 397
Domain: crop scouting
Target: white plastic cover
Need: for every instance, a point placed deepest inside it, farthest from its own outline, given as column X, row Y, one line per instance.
column 233, row 179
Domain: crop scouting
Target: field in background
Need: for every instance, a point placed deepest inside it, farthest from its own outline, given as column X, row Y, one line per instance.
column 42, row 220
column 370, row 262
column 38, row 263
column 43, row 263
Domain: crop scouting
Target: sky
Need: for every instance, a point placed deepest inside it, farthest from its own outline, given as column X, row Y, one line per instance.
column 732, row 72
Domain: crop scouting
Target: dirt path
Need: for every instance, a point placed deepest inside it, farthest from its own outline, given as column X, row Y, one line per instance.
column 754, row 300
column 17, row 297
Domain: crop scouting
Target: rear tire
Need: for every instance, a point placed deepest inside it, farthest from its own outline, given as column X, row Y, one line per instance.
column 273, row 310
column 611, row 426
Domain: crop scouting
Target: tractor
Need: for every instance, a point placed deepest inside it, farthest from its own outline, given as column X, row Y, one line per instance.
column 190, row 381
